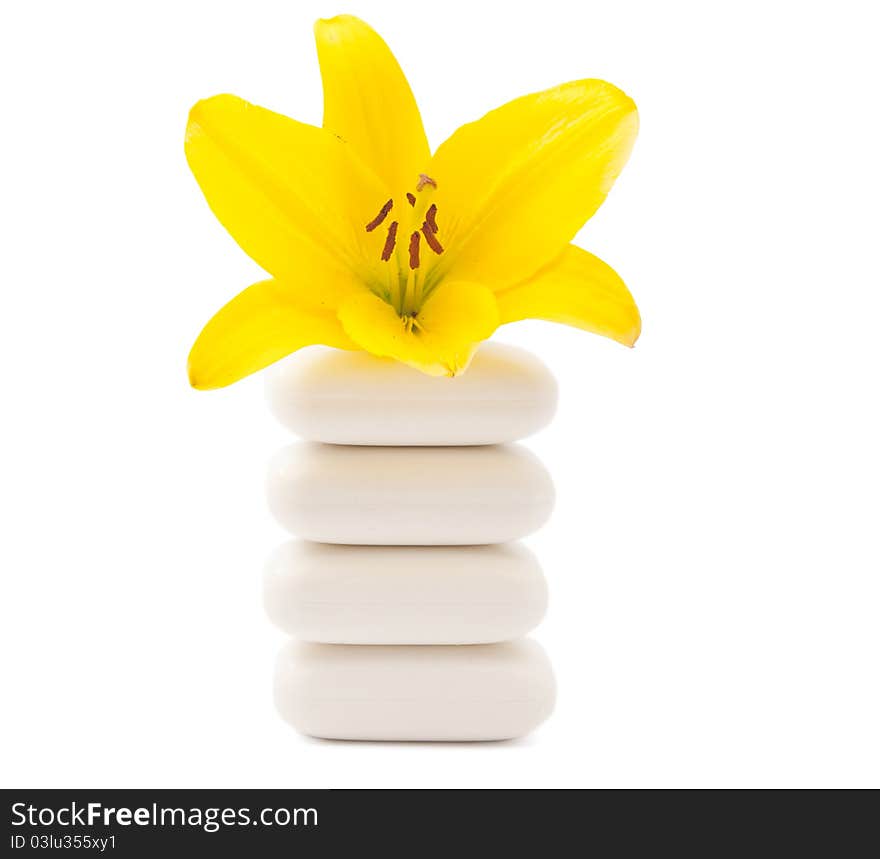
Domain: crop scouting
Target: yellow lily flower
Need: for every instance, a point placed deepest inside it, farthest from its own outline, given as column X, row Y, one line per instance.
column 375, row 244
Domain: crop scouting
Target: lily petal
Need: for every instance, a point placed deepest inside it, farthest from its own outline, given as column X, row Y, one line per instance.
column 515, row 186
column 368, row 102
column 576, row 289
column 295, row 197
column 451, row 323
column 258, row 327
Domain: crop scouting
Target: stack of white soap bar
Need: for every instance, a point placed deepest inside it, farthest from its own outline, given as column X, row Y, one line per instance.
column 408, row 598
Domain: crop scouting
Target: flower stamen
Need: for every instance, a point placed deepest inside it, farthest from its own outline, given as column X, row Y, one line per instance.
column 414, row 251
column 431, row 239
column 383, row 213
column 429, row 228
column 430, row 217
column 390, row 241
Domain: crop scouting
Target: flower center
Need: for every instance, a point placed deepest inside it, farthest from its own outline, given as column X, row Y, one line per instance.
column 405, row 286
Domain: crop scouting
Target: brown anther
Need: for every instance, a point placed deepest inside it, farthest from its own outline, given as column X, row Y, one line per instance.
column 414, row 251
column 390, row 241
column 383, row 213
column 411, row 197
column 431, row 239
column 430, row 217
column 424, row 179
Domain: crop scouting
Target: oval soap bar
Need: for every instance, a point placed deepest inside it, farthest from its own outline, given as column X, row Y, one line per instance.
column 409, row 496
column 477, row 692
column 339, row 397
column 404, row 595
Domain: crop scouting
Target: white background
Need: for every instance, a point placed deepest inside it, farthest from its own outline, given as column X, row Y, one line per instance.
column 713, row 559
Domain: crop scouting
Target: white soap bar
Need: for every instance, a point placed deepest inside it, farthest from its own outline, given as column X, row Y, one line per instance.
column 409, row 496
column 477, row 692
column 341, row 397
column 404, row 594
